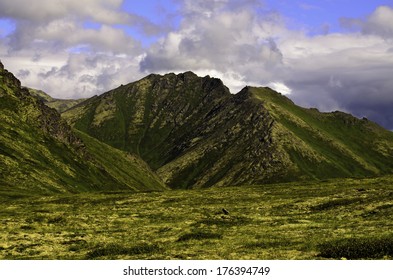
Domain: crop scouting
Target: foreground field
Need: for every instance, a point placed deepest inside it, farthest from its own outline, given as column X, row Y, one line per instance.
column 333, row 219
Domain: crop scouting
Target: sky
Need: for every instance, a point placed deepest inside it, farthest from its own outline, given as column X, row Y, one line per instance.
column 327, row 54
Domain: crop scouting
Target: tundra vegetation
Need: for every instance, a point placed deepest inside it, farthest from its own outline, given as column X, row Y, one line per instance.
column 341, row 218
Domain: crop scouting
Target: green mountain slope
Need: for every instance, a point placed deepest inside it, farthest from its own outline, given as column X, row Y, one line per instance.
column 194, row 133
column 326, row 145
column 60, row 105
column 39, row 153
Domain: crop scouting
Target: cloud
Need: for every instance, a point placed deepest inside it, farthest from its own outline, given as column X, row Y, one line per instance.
column 280, row 87
column 61, row 24
column 348, row 72
column 84, row 75
column 52, row 48
column 379, row 23
column 223, row 37
column 43, row 11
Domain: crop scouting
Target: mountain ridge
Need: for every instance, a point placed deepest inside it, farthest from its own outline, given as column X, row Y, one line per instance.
column 187, row 131
column 194, row 133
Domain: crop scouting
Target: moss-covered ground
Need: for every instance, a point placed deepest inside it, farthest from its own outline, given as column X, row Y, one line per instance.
column 312, row 220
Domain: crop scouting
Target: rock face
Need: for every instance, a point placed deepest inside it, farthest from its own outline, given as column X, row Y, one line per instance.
column 39, row 152
column 194, row 133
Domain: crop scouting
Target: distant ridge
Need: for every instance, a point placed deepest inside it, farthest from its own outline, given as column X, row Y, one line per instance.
column 60, row 105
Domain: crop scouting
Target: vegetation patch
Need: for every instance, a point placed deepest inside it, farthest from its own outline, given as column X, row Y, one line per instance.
column 358, row 248
column 270, row 244
column 335, row 203
column 199, row 235
column 27, row 227
column 57, row 220
column 113, row 250
column 224, row 221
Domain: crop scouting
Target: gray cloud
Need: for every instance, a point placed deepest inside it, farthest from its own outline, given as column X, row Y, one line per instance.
column 23, row 73
column 221, row 36
column 44, row 11
column 354, row 79
column 60, row 24
column 380, row 22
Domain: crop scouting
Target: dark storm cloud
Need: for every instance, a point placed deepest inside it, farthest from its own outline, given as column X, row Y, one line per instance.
column 358, row 82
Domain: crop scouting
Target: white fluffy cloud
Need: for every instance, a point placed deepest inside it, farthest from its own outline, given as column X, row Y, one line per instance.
column 222, row 38
column 52, row 49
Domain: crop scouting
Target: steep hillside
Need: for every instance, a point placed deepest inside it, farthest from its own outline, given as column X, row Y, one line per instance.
column 326, row 145
column 60, row 105
column 194, row 133
column 39, row 153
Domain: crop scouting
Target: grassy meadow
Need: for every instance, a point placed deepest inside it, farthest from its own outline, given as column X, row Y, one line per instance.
column 322, row 220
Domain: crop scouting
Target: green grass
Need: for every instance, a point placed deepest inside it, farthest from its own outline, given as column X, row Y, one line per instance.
column 358, row 248
column 333, row 219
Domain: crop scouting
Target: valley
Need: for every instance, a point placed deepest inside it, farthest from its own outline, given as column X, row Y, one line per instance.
column 333, row 219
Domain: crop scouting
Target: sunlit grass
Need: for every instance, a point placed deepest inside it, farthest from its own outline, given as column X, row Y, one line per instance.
column 333, row 219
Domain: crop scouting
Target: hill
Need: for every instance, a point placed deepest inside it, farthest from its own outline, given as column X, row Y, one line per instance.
column 60, row 105
column 40, row 154
column 194, row 133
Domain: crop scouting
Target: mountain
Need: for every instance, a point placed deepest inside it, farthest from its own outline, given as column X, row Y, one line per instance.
column 326, row 145
column 194, row 133
column 60, row 105
column 39, row 152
